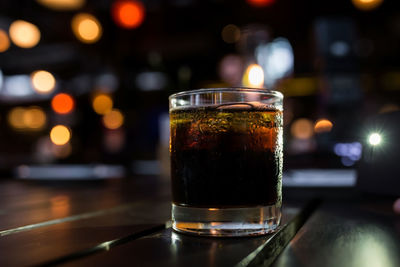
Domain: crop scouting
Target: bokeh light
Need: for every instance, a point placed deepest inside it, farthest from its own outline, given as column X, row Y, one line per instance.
column 260, row 3
column 62, row 5
column 102, row 104
column 34, row 118
column 323, row 126
column 113, row 119
column 128, row 14
column 31, row 118
column 24, row 34
column 43, row 81
column 387, row 108
column 4, row 41
column 62, row 103
column 230, row 34
column 374, row 139
column 16, row 118
column 86, row 28
column 254, row 76
column 60, row 135
column 231, row 69
column 61, row 151
column 367, row 5
column 302, row 128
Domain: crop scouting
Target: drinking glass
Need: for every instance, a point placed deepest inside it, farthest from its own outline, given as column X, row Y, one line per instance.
column 226, row 161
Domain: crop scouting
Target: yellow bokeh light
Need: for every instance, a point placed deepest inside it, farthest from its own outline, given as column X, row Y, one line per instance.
column 113, row 119
column 24, row 34
column 323, row 126
column 230, row 34
column 86, row 28
column 254, row 76
column 4, row 41
column 43, row 81
column 60, row 135
column 62, row 4
column 16, row 118
column 367, row 5
column 34, row 118
column 102, row 104
column 302, row 128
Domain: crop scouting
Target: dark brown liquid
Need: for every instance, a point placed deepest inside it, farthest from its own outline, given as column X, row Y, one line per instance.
column 226, row 157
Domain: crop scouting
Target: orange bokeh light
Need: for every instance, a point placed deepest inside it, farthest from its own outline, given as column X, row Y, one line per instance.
column 260, row 3
column 323, row 126
column 128, row 13
column 62, row 103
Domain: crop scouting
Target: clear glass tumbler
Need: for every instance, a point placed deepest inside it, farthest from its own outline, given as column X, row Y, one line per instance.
column 226, row 161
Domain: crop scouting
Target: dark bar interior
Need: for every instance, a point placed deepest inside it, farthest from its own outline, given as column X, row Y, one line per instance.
column 84, row 127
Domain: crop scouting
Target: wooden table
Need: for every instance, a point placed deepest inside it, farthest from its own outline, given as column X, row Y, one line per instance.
column 126, row 222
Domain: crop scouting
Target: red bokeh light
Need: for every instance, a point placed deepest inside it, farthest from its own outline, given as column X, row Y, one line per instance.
column 260, row 3
column 62, row 103
column 128, row 13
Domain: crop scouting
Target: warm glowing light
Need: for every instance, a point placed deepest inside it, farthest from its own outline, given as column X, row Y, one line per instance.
column 260, row 3
column 102, row 104
column 16, row 118
column 302, row 128
column 43, row 81
column 62, row 5
column 86, row 28
column 254, row 76
column 62, row 103
column 61, row 151
column 60, row 135
column 367, row 5
column 389, row 108
column 24, row 34
column 113, row 120
column 34, row 118
column 375, row 139
column 4, row 41
column 230, row 34
column 128, row 13
column 60, row 206
column 323, row 126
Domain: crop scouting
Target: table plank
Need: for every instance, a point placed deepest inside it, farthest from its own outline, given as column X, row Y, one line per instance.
column 50, row 221
column 33, row 203
column 168, row 248
column 346, row 234
column 50, row 242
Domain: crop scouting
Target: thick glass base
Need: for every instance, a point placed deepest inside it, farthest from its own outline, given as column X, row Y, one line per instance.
column 226, row 222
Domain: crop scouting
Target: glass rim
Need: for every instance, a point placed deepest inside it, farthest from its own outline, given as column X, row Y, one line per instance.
column 228, row 89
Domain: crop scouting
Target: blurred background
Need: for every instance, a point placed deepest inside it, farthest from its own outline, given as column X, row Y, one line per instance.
column 85, row 83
